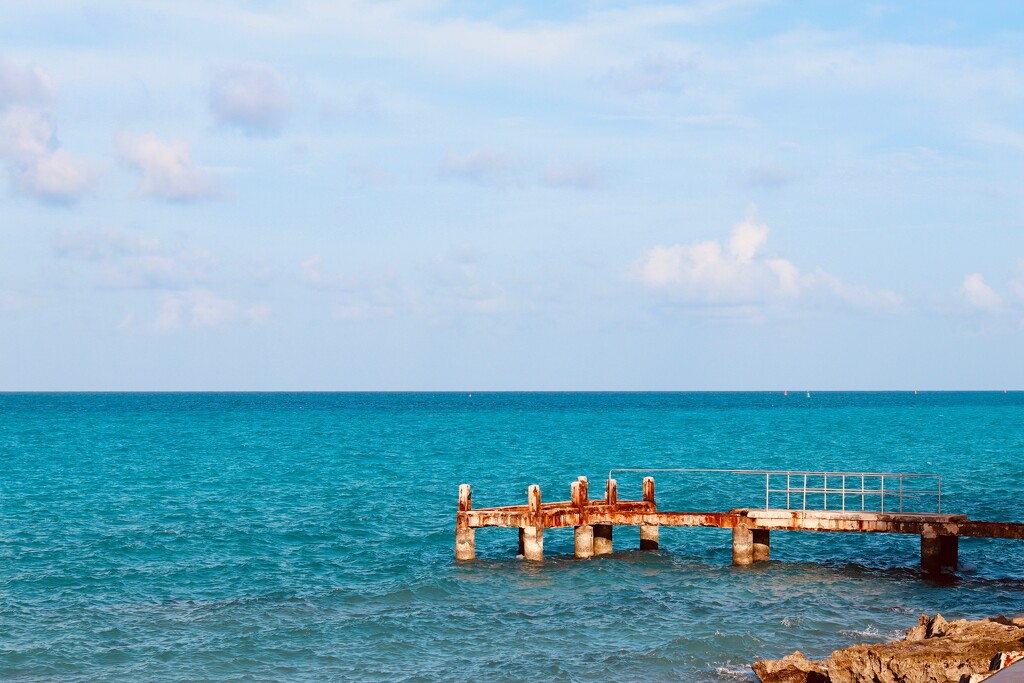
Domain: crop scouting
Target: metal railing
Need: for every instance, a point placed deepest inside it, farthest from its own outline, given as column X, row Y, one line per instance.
column 797, row 485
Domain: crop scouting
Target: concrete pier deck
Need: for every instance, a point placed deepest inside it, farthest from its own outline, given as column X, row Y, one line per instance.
column 594, row 520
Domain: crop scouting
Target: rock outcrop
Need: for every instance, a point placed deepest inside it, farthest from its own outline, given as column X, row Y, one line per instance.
column 934, row 651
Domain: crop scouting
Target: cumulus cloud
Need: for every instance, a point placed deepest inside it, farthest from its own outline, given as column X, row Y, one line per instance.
column 577, row 175
column 980, row 295
column 482, row 165
column 735, row 273
column 251, row 98
column 167, row 168
column 36, row 164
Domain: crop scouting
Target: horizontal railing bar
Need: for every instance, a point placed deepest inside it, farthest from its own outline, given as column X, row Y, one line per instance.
column 906, row 493
column 816, row 473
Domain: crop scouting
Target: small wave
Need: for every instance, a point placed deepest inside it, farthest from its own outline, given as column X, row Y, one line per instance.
column 869, row 632
column 734, row 672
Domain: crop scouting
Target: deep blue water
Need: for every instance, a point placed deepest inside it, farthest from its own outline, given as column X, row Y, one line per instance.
column 309, row 537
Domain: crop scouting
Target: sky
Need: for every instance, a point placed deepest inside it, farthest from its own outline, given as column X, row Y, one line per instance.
column 452, row 195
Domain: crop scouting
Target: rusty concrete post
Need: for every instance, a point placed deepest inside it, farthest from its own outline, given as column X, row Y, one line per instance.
column 648, row 537
column 603, row 532
column 649, row 532
column 584, row 533
column 938, row 550
column 584, row 541
column 762, row 545
column 742, row 545
column 465, row 535
column 649, row 489
column 532, row 537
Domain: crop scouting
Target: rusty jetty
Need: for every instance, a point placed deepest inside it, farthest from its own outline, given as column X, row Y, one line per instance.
column 867, row 502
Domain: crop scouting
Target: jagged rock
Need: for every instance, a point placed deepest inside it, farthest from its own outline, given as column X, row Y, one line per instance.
column 934, row 651
column 794, row 668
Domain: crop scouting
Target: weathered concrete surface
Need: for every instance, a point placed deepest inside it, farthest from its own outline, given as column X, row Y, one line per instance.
column 648, row 537
column 934, row 651
column 584, row 541
column 602, row 539
column 762, row 545
column 742, row 546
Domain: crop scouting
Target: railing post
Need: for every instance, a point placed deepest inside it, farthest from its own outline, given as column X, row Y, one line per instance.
column 611, row 492
column 532, row 534
column 603, row 532
column 583, row 536
column 465, row 535
column 767, row 489
column 882, row 489
column 649, row 532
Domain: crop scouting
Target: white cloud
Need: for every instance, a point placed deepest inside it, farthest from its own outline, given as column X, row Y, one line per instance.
column 250, row 97
column 578, row 175
column 735, row 274
column 24, row 85
column 36, row 164
column 482, row 165
column 201, row 308
column 980, row 295
column 167, row 168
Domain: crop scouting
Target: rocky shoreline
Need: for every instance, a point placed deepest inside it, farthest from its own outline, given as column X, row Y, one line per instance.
column 934, row 651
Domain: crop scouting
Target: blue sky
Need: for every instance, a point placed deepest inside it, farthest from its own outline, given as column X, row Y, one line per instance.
column 478, row 195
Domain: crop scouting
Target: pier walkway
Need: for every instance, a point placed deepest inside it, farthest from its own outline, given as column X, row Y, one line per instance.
column 595, row 519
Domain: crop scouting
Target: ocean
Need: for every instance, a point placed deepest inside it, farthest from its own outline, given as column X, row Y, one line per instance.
column 309, row 537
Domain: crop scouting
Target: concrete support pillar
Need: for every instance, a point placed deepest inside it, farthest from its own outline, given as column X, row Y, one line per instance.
column 938, row 551
column 762, row 545
column 649, row 537
column 649, row 532
column 584, row 541
column 742, row 545
column 465, row 536
column 602, row 539
column 531, row 539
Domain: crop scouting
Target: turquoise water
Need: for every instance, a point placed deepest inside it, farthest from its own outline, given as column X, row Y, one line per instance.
column 309, row 537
